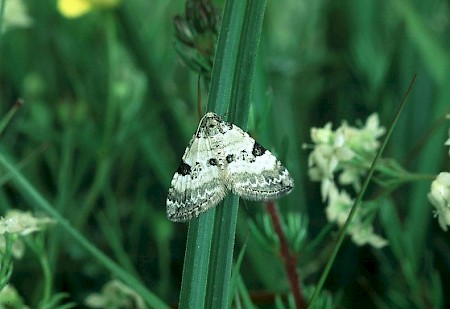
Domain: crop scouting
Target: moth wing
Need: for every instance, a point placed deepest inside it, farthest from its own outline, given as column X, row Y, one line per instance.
column 252, row 171
column 197, row 184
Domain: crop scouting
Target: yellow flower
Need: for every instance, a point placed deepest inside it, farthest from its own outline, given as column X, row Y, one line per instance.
column 77, row 8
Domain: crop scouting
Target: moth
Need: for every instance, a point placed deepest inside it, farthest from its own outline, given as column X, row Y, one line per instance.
column 222, row 158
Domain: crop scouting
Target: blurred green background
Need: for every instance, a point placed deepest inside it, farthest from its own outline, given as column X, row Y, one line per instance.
column 109, row 108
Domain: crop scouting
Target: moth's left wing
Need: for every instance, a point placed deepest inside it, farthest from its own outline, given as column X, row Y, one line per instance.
column 197, row 184
column 252, row 171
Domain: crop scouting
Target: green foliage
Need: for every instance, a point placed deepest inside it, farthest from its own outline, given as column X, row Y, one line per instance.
column 96, row 111
column 6, row 266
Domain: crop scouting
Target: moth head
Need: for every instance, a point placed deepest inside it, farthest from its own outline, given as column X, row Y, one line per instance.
column 211, row 122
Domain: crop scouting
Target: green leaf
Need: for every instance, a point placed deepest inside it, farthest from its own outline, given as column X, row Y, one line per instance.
column 230, row 90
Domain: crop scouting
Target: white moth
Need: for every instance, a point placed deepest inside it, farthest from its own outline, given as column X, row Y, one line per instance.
column 221, row 157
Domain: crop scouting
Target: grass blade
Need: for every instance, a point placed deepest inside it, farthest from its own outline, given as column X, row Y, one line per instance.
column 226, row 217
column 198, row 247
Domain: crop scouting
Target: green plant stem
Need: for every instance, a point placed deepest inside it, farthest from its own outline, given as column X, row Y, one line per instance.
column 19, row 103
column 35, row 199
column 6, row 265
column 48, row 284
column 230, row 91
column 105, row 160
column 226, row 57
column 65, row 188
column 195, row 270
column 37, row 246
column 246, row 62
column 343, row 231
column 239, row 106
column 198, row 247
column 219, row 277
column 101, row 175
column 38, row 151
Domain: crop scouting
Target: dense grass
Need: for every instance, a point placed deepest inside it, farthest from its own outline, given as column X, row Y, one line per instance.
column 109, row 108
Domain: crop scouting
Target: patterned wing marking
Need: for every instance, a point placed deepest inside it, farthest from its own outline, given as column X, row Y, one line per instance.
column 197, row 184
column 252, row 171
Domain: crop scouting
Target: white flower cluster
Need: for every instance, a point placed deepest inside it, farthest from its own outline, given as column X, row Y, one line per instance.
column 439, row 196
column 22, row 223
column 115, row 294
column 345, row 153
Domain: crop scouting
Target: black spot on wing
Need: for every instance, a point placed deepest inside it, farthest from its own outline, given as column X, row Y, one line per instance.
column 184, row 168
column 230, row 158
column 212, row 162
column 258, row 150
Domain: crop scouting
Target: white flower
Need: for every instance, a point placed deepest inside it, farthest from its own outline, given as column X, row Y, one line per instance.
column 330, row 149
column 322, row 135
column 439, row 197
column 341, row 147
column 347, row 151
column 351, row 175
column 364, row 141
column 115, row 294
column 322, row 163
column 363, row 234
column 339, row 205
column 373, row 127
column 22, row 223
column 325, row 188
column 361, row 231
